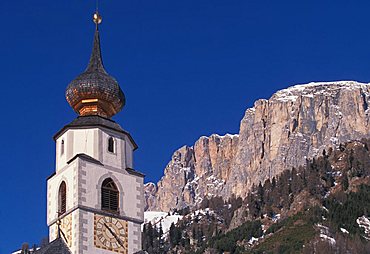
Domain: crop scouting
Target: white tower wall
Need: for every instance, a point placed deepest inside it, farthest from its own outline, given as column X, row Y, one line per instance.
column 94, row 143
column 83, row 165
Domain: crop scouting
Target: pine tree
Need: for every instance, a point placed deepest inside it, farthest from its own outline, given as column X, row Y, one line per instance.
column 160, row 240
column 172, row 235
column 25, row 248
column 345, row 183
column 148, row 237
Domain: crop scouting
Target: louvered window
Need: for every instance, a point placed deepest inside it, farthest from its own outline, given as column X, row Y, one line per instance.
column 62, row 198
column 109, row 195
column 111, row 145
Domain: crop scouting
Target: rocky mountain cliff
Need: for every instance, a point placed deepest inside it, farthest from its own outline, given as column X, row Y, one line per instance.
column 295, row 124
column 321, row 207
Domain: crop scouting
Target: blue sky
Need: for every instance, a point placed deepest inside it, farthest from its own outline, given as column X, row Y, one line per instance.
column 188, row 68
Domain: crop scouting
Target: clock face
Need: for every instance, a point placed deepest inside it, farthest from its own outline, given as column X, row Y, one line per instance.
column 66, row 229
column 110, row 234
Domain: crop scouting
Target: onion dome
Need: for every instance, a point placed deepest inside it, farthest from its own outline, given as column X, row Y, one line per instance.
column 95, row 92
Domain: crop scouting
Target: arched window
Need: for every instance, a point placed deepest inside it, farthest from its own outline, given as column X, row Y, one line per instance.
column 62, row 147
column 111, row 145
column 62, row 199
column 109, row 195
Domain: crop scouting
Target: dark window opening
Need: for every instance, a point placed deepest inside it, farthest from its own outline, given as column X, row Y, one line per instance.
column 111, row 145
column 109, row 195
column 62, row 148
column 62, row 198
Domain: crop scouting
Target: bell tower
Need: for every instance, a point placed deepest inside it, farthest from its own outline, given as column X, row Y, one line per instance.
column 95, row 198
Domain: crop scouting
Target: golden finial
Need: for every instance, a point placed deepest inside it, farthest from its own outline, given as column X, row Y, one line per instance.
column 97, row 18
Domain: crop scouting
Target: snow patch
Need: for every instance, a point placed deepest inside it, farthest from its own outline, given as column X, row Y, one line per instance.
column 30, row 251
column 253, row 240
column 325, row 234
column 344, row 230
column 276, row 217
column 199, row 214
column 312, row 89
column 150, row 184
column 364, row 222
column 226, row 135
column 334, row 140
column 331, row 240
column 161, row 218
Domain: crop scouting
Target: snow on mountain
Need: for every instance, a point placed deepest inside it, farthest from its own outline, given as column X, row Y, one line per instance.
column 161, row 218
column 325, row 234
column 364, row 222
column 317, row 89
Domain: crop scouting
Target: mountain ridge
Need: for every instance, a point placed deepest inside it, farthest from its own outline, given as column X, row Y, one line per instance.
column 295, row 124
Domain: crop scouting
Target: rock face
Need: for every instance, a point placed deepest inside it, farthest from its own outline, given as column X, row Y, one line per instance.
column 276, row 134
column 194, row 172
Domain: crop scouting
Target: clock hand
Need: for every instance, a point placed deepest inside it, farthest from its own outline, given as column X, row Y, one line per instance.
column 114, row 234
column 61, row 231
column 64, row 236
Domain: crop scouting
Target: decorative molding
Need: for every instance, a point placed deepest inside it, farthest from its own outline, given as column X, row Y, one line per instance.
column 97, row 211
column 132, row 171
column 85, row 157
